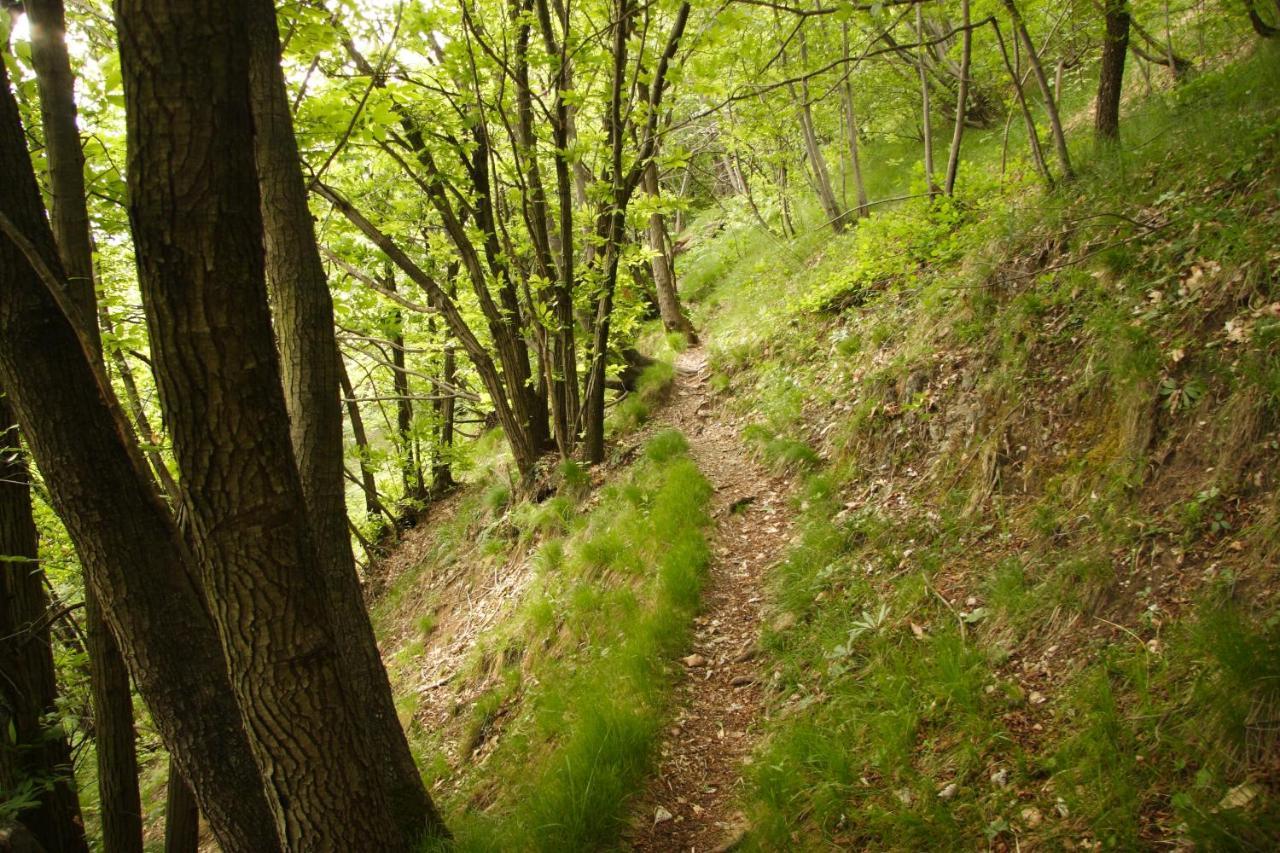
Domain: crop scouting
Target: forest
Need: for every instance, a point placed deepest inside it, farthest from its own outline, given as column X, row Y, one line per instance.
column 642, row 425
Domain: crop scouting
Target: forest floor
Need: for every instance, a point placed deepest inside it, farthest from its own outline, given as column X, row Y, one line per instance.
column 690, row 802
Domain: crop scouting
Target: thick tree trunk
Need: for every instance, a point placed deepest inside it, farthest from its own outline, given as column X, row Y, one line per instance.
column 198, row 231
column 116, row 753
column 28, row 682
column 664, row 279
column 310, row 361
column 1115, row 46
column 134, row 557
column 962, row 99
column 1050, row 102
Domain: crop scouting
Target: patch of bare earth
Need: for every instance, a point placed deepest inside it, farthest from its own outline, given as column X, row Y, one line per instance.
column 690, row 803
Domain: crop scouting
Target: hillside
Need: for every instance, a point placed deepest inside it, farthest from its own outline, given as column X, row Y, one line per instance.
column 992, row 536
column 523, row 425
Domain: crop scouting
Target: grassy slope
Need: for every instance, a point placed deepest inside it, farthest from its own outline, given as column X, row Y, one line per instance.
column 1034, row 596
column 559, row 702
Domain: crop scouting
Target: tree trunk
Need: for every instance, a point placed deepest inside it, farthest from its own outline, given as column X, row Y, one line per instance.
column 1115, row 46
column 962, row 99
column 133, row 555
column 1261, row 27
column 925, row 111
column 410, row 466
column 1033, row 136
column 310, row 362
column 1050, row 102
column 116, row 753
column 851, row 120
column 28, row 680
column 198, row 231
column 664, row 280
column 817, row 163
column 181, row 815
column 368, row 483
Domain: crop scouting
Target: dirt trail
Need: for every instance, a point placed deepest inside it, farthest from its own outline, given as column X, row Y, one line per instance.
column 690, row 803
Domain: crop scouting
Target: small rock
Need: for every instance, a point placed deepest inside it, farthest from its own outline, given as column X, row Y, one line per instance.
column 785, row 622
column 661, row 815
column 741, row 681
column 1031, row 817
column 1000, row 778
column 971, row 601
column 949, row 791
column 732, row 841
column 694, row 660
column 1239, row 796
column 1037, row 698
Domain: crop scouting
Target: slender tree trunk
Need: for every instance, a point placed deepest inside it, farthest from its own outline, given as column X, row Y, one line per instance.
column 962, row 99
column 851, row 121
column 817, row 163
column 198, row 231
column 1033, row 136
column 116, row 753
column 664, row 280
column 133, row 555
column 310, row 362
column 1115, row 46
column 410, row 465
column 1050, row 102
column 926, row 123
column 368, row 483
column 28, row 680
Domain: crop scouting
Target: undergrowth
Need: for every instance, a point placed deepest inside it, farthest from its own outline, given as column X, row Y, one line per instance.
column 576, row 681
column 1032, row 600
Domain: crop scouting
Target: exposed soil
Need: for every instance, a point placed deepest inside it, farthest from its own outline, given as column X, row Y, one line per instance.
column 691, row 801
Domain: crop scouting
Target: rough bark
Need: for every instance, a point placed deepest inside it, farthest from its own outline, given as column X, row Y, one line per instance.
column 198, row 230
column 115, row 740
column 134, row 558
column 1115, row 46
column 28, row 680
column 310, row 361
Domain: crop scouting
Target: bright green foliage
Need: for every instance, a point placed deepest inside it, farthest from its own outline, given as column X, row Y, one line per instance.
column 581, row 701
column 1029, row 596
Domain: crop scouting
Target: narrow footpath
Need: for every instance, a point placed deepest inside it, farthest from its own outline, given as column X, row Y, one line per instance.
column 691, row 801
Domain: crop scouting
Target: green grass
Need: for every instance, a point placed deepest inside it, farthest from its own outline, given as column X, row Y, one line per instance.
column 584, row 687
column 634, row 409
column 1051, row 417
